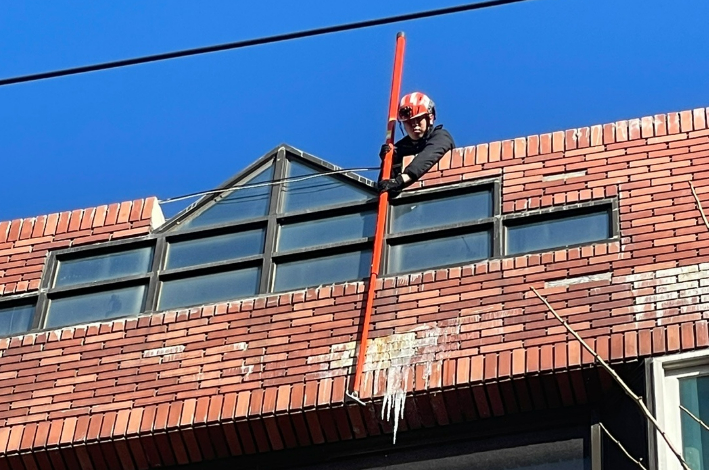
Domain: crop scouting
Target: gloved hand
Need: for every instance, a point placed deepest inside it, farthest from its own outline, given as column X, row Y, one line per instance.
column 384, row 149
column 394, row 184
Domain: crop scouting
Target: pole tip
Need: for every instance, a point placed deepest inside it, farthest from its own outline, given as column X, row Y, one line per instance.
column 400, row 34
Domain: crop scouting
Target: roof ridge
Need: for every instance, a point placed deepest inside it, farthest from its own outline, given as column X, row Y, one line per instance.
column 656, row 125
column 79, row 219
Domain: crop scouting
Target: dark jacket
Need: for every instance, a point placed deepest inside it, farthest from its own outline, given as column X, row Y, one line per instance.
column 427, row 151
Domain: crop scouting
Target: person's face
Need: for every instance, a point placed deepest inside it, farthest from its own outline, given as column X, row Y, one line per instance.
column 416, row 127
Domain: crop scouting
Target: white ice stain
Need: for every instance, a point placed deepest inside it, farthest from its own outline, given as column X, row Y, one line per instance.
column 395, row 357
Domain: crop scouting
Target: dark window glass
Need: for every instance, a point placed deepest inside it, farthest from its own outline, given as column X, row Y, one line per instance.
column 560, row 455
column 209, row 288
column 693, row 394
column 104, row 267
column 324, row 231
column 442, row 211
column 96, row 306
column 558, row 232
column 439, row 252
column 318, row 191
column 241, row 204
column 324, row 270
column 213, row 249
column 16, row 319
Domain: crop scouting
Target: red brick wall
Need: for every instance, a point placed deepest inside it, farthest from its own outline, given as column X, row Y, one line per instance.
column 254, row 360
column 25, row 243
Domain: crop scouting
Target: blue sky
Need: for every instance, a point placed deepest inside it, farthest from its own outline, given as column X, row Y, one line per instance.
column 185, row 125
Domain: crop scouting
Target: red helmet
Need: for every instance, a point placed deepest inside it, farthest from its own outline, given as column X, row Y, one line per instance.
column 414, row 105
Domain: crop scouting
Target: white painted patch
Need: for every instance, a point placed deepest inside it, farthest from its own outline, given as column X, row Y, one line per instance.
column 163, row 351
column 578, row 280
column 564, row 176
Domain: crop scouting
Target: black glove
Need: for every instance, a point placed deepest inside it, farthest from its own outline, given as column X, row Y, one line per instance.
column 384, row 149
column 394, row 184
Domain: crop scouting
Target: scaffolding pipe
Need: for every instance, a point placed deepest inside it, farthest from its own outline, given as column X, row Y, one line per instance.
column 381, row 212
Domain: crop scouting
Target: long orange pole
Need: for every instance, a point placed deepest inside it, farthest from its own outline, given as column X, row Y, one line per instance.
column 381, row 208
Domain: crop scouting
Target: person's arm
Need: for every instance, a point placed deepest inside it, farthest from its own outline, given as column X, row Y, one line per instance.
column 397, row 179
column 438, row 144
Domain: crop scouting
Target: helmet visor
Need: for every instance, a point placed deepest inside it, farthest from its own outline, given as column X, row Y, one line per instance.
column 406, row 113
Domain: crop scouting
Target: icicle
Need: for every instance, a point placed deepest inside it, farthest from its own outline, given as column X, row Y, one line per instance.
column 395, row 396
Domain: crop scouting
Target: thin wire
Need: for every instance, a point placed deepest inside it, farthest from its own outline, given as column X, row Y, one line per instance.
column 256, row 42
column 293, row 179
column 698, row 420
column 616, row 441
column 700, row 206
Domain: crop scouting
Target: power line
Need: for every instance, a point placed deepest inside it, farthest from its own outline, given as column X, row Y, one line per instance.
column 292, row 179
column 256, row 42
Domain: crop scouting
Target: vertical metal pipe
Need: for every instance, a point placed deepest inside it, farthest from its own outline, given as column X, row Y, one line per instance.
column 381, row 208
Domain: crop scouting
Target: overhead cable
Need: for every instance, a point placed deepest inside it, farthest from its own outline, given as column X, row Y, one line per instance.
column 256, row 41
column 292, row 179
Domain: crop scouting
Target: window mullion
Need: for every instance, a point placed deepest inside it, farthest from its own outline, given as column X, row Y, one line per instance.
column 498, row 229
column 272, row 224
column 161, row 250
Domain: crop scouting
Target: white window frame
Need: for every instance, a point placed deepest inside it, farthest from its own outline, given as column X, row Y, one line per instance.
column 664, row 397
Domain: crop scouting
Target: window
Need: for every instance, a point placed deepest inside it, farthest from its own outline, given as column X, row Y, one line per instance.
column 328, row 230
column 15, row 317
column 309, row 194
column 205, row 250
column 446, row 227
column 208, row 288
column 98, row 284
column 311, row 229
column 554, row 230
column 95, row 306
column 249, row 202
column 680, row 388
column 323, row 270
column 415, row 256
column 103, row 267
column 287, row 222
column 440, row 229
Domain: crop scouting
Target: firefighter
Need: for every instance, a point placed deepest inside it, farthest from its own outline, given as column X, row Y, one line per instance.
column 428, row 143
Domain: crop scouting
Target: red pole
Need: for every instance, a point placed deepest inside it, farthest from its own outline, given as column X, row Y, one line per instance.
column 381, row 208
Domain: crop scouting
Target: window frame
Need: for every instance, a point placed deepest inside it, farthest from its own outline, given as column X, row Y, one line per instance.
column 556, row 212
column 442, row 231
column 498, row 222
column 28, row 298
column 47, row 292
column 161, row 238
column 271, row 223
column 662, row 376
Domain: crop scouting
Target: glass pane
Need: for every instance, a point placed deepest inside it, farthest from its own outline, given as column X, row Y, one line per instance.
column 213, row 249
column 241, row 204
column 103, row 267
column 330, row 230
column 553, row 233
column 694, row 397
column 439, row 252
column 319, row 191
column 17, row 319
column 209, row 288
column 325, row 270
column 97, row 306
column 442, row 211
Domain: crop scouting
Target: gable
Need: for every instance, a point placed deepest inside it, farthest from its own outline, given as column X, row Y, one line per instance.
column 284, row 181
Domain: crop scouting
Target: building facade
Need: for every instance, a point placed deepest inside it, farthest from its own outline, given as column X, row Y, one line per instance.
column 227, row 335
